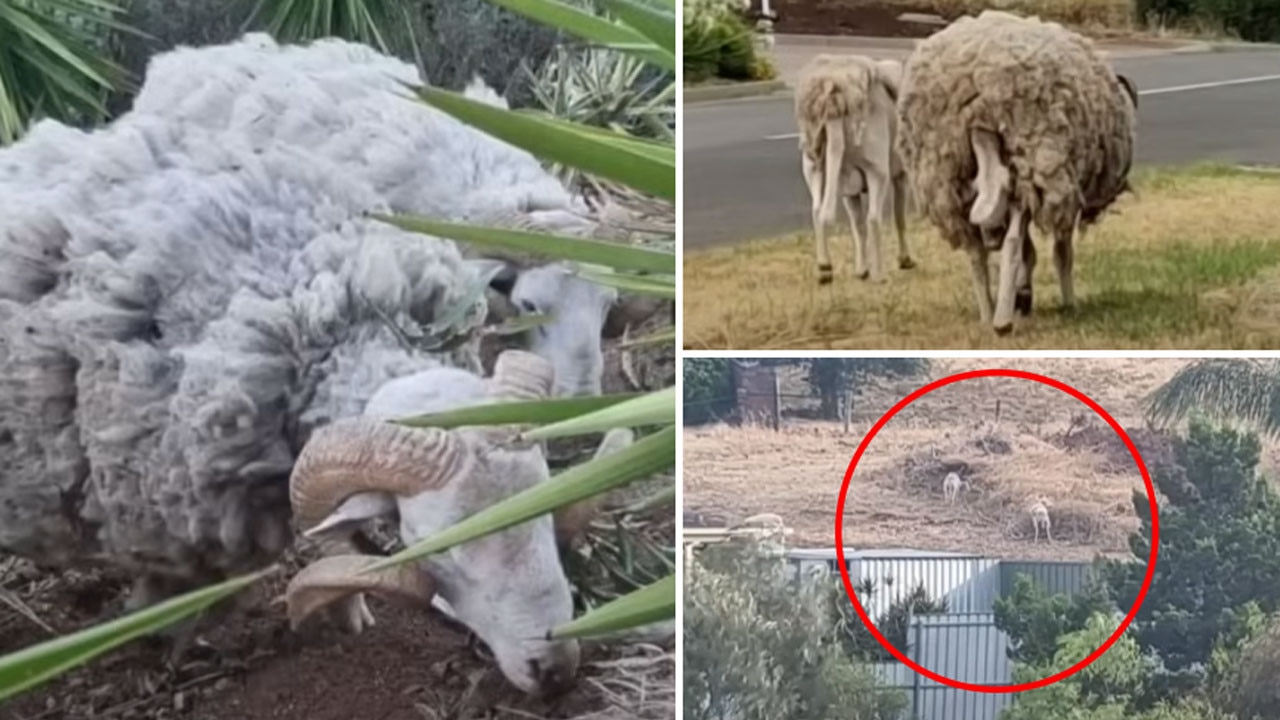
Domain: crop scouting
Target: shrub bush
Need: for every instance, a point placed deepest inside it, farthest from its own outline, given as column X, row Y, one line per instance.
column 718, row 42
column 758, row 648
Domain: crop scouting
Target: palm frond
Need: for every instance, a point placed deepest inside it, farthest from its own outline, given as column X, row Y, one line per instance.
column 1246, row 390
column 54, row 62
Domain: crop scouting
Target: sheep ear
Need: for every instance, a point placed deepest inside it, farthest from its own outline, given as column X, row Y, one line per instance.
column 628, row 311
column 354, row 510
column 1130, row 88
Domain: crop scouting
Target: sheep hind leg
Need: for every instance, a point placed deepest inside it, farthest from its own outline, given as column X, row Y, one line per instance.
column 981, row 280
column 1023, row 300
column 878, row 198
column 855, row 207
column 1063, row 262
column 813, row 178
column 900, row 222
column 1011, row 265
column 992, row 182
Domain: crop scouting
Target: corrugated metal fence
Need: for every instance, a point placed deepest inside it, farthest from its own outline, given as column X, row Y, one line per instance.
column 964, row 646
column 1067, row 578
column 964, row 643
column 967, row 584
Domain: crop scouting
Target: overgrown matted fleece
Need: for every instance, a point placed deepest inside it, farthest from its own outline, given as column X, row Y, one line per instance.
column 1066, row 131
column 184, row 293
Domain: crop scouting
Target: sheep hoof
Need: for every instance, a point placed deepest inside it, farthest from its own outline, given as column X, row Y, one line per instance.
column 1022, row 301
column 906, row 263
column 864, row 275
column 824, row 274
column 1004, row 329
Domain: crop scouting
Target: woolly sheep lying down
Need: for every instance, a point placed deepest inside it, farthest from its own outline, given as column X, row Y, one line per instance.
column 187, row 295
column 1008, row 120
column 845, row 109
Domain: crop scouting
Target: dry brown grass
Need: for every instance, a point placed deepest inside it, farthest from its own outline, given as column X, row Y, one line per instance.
column 1191, row 261
column 1038, row 448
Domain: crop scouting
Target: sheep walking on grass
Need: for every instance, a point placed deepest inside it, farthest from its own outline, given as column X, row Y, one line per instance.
column 1008, row 121
column 1039, row 513
column 845, row 112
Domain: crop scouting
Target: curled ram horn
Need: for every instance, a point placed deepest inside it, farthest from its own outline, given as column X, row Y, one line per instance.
column 350, row 471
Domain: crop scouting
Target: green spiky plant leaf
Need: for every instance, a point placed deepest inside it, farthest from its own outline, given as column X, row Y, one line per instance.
column 293, row 21
column 28, row 668
column 55, row 62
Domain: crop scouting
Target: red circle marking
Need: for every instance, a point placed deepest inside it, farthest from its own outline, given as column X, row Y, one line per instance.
column 1151, row 561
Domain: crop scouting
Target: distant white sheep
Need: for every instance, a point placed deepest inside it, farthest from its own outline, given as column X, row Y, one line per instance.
column 951, row 487
column 845, row 110
column 1039, row 513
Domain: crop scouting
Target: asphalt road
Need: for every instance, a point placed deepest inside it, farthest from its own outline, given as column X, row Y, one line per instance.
column 742, row 168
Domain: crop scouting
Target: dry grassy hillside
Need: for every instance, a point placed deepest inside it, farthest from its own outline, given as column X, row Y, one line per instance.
column 1045, row 443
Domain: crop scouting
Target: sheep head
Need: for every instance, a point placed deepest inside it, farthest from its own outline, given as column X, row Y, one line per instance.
column 581, row 313
column 508, row 587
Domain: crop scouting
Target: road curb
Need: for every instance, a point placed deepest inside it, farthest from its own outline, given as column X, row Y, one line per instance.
column 1241, row 47
column 732, row 92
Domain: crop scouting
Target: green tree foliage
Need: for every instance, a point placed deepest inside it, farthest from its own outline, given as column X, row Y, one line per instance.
column 1257, row 20
column 894, row 624
column 1219, row 548
column 1110, row 688
column 1034, row 619
column 1245, row 670
column 759, row 648
column 708, row 390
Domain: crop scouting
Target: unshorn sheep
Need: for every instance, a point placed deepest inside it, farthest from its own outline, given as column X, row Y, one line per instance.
column 191, row 293
column 1039, row 513
column 1005, row 121
column 951, row 487
column 844, row 107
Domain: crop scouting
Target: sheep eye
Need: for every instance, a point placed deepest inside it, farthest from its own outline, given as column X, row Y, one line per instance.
column 528, row 306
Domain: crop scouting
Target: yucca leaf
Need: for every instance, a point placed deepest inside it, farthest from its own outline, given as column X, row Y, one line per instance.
column 655, row 408
column 663, row 287
column 561, row 142
column 656, row 25
column 649, row 455
column 662, row 498
column 589, row 27
column 522, row 412
column 659, row 337
column 613, row 255
column 28, row 668
column 652, row 603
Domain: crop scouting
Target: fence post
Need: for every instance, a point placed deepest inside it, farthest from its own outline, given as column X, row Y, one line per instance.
column 777, row 400
column 913, row 648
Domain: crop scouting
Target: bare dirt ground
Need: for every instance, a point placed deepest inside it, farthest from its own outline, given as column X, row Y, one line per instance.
column 1046, row 443
column 412, row 665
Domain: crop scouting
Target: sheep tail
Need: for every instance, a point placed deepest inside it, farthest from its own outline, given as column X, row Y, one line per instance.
column 831, row 173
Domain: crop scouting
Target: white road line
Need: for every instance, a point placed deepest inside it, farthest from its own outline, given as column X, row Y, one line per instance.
column 1151, row 91
column 1201, row 86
